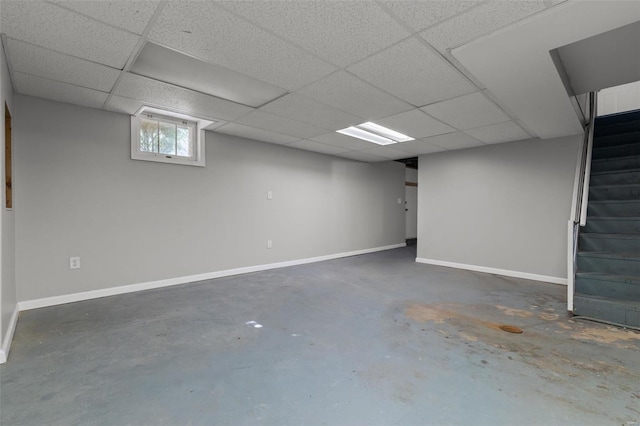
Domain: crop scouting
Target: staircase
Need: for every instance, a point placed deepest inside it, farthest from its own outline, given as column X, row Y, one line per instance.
column 607, row 282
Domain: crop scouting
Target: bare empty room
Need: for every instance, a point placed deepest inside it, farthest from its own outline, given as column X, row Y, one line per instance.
column 320, row 212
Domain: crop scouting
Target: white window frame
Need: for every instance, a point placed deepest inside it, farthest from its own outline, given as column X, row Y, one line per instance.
column 198, row 137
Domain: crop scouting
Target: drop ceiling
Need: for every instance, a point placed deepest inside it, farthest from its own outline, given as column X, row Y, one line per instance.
column 288, row 73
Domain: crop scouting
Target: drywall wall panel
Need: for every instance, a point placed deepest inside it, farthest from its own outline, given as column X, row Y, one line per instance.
column 501, row 206
column 621, row 98
column 8, row 300
column 135, row 221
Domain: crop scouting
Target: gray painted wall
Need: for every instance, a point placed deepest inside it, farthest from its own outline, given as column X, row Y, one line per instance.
column 8, row 299
column 502, row 206
column 78, row 193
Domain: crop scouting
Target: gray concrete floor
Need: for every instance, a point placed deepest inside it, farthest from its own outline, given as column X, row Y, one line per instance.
column 367, row 340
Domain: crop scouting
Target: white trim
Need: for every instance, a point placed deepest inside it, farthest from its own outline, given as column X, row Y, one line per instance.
column 198, row 140
column 8, row 338
column 505, row 272
column 112, row 291
column 570, row 264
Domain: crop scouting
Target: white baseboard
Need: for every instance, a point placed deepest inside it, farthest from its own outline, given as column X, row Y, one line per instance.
column 505, row 272
column 8, row 338
column 95, row 294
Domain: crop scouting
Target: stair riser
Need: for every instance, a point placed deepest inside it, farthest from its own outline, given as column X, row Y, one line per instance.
column 612, row 226
column 616, row 151
column 629, row 209
column 607, row 310
column 623, row 138
column 613, row 132
column 608, row 265
column 618, row 119
column 624, row 163
column 615, row 178
column 631, row 192
column 609, row 245
column 609, row 289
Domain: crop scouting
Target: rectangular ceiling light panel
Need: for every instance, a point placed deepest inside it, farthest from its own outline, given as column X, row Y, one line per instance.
column 355, row 132
column 167, row 65
column 388, row 133
column 375, row 133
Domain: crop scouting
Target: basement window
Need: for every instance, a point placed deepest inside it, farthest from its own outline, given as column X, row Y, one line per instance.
column 167, row 137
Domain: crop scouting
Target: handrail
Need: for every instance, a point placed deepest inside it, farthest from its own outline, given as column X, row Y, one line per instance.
column 587, row 171
column 580, row 198
column 580, row 212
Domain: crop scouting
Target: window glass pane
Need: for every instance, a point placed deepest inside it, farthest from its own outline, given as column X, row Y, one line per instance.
column 184, row 145
column 148, row 135
column 167, row 138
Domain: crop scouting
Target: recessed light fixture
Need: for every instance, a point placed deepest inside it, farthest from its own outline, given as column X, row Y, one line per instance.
column 372, row 132
column 356, row 132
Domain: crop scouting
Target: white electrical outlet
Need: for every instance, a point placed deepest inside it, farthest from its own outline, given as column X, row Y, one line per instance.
column 269, row 244
column 399, row 200
column 269, row 195
column 74, row 263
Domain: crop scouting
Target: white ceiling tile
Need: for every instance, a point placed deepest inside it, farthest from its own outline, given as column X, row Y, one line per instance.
column 208, row 32
column 451, row 141
column 42, row 62
column 215, row 125
column 362, row 156
column 551, row 3
column 387, row 152
column 344, row 91
column 418, row 147
column 413, row 73
column 467, row 112
column 248, row 132
column 499, row 133
column 310, row 145
column 342, row 141
column 129, row 15
column 123, row 105
column 302, row 108
column 341, row 32
column 479, row 21
column 425, row 13
column 179, row 99
column 282, row 125
column 59, row 29
column 416, row 124
column 26, row 84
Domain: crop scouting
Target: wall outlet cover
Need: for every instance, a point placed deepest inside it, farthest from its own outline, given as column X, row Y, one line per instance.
column 74, row 263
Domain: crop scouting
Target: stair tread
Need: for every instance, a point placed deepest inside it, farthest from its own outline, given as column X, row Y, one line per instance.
column 628, row 303
column 611, row 147
column 626, row 130
column 625, row 218
column 602, row 160
column 610, row 235
column 609, row 172
column 625, row 201
column 607, row 276
column 617, row 118
column 608, row 255
column 616, row 185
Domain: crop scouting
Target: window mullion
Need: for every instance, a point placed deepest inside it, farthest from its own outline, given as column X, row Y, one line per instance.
column 158, row 147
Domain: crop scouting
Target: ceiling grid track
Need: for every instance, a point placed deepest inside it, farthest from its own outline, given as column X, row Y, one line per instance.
column 137, row 49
